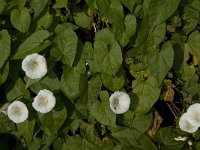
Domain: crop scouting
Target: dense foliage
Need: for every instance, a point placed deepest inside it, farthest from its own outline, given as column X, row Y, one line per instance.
column 149, row 49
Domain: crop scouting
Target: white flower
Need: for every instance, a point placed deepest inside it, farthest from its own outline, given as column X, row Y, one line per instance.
column 44, row 101
column 119, row 102
column 194, row 111
column 17, row 112
column 34, row 66
column 187, row 123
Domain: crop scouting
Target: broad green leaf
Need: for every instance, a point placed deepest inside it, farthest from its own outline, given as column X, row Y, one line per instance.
column 94, row 88
column 112, row 83
column 45, row 21
column 4, row 47
column 90, row 136
column 30, row 81
column 147, row 92
column 50, row 82
column 197, row 146
column 142, row 123
column 67, row 42
column 6, row 125
column 88, row 142
column 124, row 35
column 52, row 121
column 191, row 19
column 113, row 10
column 102, row 112
column 88, row 54
column 61, row 27
column 17, row 90
column 2, row 5
column 130, row 4
column 60, row 4
column 32, row 44
column 81, row 109
column 192, row 89
column 38, row 6
column 83, row 20
column 70, row 82
column 165, row 136
column 161, row 62
column 4, row 71
column 107, row 52
column 133, row 138
column 26, row 129
column 194, row 43
column 35, row 144
column 159, row 11
column 58, row 144
column 73, row 142
column 20, row 19
column 196, row 5
column 156, row 35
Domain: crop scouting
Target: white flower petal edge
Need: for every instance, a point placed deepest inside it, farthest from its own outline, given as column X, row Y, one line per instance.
column 17, row 112
column 194, row 111
column 119, row 102
column 187, row 123
column 34, row 66
column 44, row 101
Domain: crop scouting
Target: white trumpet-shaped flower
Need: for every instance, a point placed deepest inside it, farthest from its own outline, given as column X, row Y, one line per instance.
column 17, row 112
column 194, row 111
column 44, row 101
column 119, row 102
column 187, row 123
column 34, row 66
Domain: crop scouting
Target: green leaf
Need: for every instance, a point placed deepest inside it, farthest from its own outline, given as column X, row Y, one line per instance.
column 147, row 92
column 113, row 10
column 197, row 146
column 2, row 5
column 94, row 88
column 20, row 19
column 4, row 46
column 130, row 4
column 90, row 136
column 6, row 125
column 70, row 82
column 159, row 11
column 160, row 63
column 4, row 71
column 18, row 90
column 67, row 46
column 26, row 129
column 102, row 112
column 142, row 123
column 88, row 142
column 32, row 44
column 165, row 136
column 60, row 4
column 38, row 6
column 124, row 35
column 112, row 83
column 194, row 43
column 52, row 121
column 191, row 18
column 45, row 21
column 133, row 138
column 88, row 54
column 50, row 82
column 107, row 52
column 83, row 20
column 72, row 143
